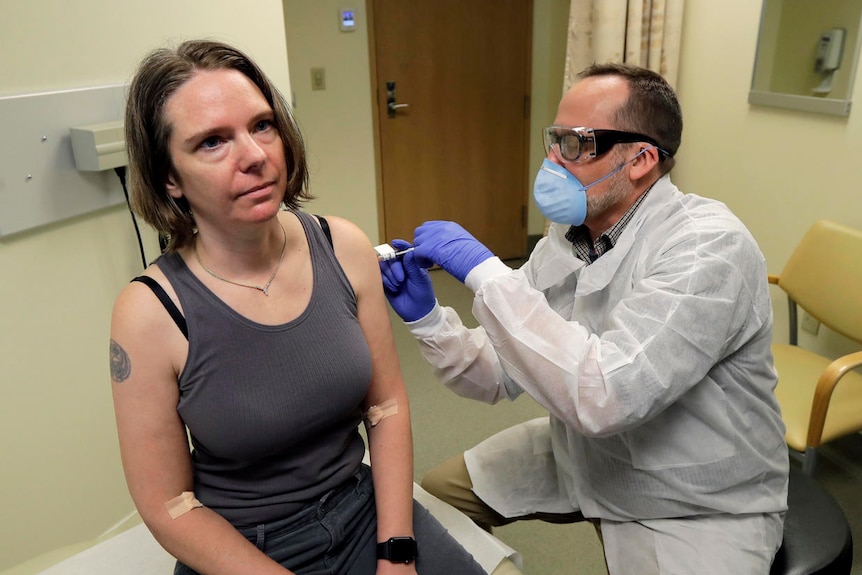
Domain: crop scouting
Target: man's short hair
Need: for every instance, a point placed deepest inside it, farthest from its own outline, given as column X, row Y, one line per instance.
column 652, row 107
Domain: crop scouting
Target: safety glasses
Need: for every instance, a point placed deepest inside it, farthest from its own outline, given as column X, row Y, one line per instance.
column 579, row 144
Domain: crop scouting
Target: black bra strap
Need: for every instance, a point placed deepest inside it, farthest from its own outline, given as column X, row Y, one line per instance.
column 166, row 301
column 325, row 227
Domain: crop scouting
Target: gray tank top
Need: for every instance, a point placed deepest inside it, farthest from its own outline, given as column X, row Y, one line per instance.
column 273, row 411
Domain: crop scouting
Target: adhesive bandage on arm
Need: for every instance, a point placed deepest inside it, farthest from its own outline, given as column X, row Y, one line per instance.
column 182, row 504
column 377, row 413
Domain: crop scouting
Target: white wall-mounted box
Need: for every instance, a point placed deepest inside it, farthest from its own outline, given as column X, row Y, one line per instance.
column 99, row 147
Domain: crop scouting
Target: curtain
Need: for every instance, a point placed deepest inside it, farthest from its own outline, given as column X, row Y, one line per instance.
column 642, row 32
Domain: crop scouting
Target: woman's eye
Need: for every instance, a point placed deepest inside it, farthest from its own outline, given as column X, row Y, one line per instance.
column 263, row 125
column 211, row 142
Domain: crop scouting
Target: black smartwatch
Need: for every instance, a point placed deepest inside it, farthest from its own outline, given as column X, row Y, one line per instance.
column 398, row 550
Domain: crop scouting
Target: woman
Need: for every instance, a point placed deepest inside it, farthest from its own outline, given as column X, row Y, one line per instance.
column 279, row 346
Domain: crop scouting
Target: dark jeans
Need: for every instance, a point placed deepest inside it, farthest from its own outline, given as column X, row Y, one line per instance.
column 337, row 535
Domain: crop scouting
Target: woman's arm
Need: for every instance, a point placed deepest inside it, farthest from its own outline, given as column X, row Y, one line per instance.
column 147, row 354
column 390, row 441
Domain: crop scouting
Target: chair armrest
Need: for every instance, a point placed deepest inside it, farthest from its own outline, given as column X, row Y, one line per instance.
column 823, row 393
column 773, row 279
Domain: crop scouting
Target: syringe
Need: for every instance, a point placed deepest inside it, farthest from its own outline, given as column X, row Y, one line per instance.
column 385, row 252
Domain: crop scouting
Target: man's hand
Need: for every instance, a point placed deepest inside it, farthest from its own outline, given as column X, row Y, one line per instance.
column 407, row 286
column 449, row 246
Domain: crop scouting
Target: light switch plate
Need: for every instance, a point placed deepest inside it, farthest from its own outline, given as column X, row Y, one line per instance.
column 318, row 79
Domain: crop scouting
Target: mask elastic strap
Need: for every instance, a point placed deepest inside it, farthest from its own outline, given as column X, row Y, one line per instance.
column 617, row 169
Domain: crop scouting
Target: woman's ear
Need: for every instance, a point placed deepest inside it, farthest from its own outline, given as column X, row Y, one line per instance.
column 647, row 159
column 173, row 187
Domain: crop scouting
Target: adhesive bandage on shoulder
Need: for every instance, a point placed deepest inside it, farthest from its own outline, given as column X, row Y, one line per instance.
column 182, row 504
column 377, row 413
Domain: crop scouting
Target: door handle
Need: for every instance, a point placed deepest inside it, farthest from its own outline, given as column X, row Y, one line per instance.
column 391, row 104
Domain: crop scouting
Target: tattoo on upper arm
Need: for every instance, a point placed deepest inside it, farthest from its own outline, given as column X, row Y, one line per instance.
column 121, row 366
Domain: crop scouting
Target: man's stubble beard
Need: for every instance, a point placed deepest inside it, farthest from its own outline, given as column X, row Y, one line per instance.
column 619, row 187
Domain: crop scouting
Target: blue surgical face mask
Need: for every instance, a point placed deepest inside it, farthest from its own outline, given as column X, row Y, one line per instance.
column 561, row 197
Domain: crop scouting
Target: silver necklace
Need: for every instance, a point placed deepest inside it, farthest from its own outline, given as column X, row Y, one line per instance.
column 265, row 287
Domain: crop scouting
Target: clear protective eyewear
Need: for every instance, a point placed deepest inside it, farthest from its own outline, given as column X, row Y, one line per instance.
column 579, row 144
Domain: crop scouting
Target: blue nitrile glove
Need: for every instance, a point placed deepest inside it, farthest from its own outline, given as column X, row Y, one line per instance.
column 407, row 286
column 449, row 246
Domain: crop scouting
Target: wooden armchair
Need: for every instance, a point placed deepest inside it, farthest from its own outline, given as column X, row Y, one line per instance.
column 824, row 277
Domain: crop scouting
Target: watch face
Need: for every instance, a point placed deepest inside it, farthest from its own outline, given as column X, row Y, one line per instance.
column 399, row 550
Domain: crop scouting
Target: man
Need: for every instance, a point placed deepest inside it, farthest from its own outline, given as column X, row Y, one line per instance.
column 642, row 323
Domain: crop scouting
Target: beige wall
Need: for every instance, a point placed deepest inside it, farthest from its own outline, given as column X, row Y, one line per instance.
column 779, row 170
column 336, row 122
column 60, row 475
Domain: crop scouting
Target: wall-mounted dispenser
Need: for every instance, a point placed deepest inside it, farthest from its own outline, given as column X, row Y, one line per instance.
column 830, row 48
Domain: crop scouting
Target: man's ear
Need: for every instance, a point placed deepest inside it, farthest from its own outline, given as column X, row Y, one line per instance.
column 647, row 159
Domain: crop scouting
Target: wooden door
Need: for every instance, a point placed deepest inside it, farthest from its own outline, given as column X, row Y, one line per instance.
column 458, row 150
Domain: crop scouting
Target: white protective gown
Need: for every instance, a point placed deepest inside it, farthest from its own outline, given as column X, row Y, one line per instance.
column 654, row 363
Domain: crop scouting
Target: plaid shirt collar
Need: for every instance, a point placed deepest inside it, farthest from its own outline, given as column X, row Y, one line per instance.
column 580, row 236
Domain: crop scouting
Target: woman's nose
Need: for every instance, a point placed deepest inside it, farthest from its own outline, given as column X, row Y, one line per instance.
column 252, row 155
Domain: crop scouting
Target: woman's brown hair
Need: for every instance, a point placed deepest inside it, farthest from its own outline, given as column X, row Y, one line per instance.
column 148, row 133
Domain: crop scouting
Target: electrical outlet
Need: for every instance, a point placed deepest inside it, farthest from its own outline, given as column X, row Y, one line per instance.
column 810, row 324
column 318, row 79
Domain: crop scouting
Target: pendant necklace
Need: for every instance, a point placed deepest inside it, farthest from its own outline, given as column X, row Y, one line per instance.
column 265, row 287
